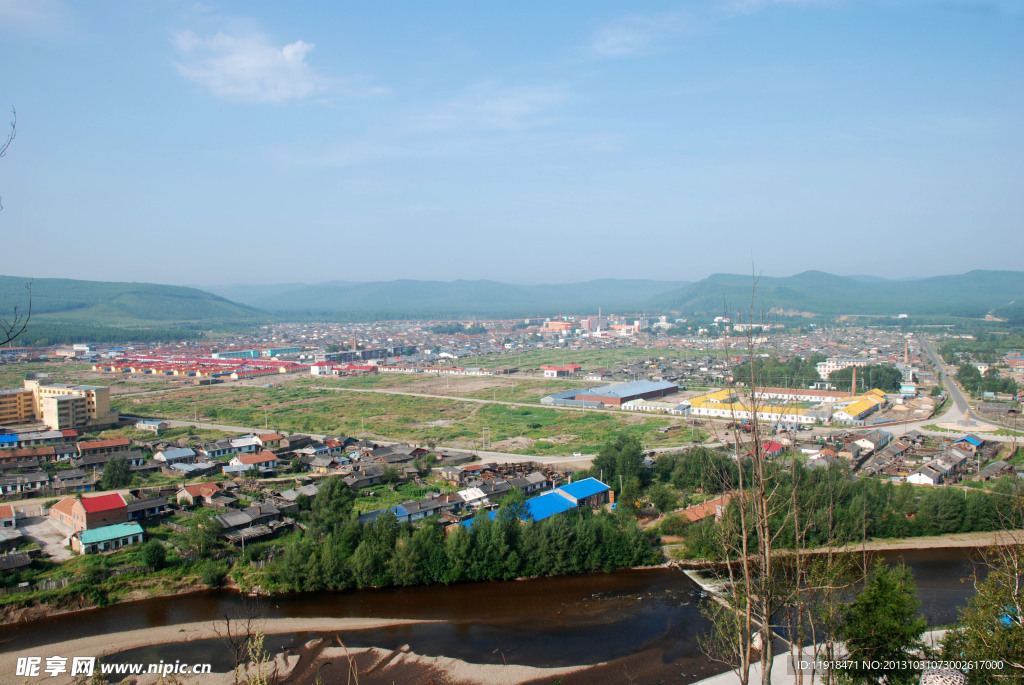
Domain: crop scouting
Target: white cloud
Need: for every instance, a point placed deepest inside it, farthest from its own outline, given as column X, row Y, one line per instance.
column 36, row 17
column 492, row 106
column 617, row 41
column 248, row 67
column 636, row 34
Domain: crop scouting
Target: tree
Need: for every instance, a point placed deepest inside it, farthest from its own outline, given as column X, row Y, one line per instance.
column 991, row 626
column 332, row 507
column 883, row 624
column 881, row 376
column 212, row 575
column 116, row 474
column 10, row 138
column 391, row 475
column 203, row 533
column 620, row 459
column 11, row 328
column 154, row 554
column 238, row 629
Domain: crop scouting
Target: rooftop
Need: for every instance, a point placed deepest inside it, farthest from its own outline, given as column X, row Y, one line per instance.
column 94, row 505
column 114, row 532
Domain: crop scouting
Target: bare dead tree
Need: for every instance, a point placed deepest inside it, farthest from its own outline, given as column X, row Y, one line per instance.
column 757, row 590
column 768, row 584
column 237, row 631
column 10, row 138
column 18, row 322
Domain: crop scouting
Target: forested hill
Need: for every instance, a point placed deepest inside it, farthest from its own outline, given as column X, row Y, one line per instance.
column 120, row 304
column 454, row 298
column 973, row 294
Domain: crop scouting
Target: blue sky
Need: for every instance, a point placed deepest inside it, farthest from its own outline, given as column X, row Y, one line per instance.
column 263, row 142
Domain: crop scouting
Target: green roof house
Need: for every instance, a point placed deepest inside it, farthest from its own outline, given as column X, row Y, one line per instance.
column 107, row 538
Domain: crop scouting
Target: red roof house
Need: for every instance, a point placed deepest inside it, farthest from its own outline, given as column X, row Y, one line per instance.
column 90, row 512
column 266, row 460
column 6, row 516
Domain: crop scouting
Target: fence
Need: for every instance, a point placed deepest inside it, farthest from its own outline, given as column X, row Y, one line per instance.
column 58, row 583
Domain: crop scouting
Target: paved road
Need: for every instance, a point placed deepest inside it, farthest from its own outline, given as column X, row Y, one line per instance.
column 960, row 404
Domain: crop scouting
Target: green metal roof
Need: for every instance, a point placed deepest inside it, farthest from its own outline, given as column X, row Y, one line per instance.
column 114, row 532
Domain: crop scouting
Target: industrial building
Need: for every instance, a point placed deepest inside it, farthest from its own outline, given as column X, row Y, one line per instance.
column 616, row 395
column 832, row 406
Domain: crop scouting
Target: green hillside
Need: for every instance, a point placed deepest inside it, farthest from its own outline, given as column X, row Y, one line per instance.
column 120, row 304
column 462, row 297
column 974, row 294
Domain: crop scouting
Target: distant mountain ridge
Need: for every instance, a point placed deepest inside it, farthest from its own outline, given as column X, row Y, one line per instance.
column 973, row 294
column 463, row 297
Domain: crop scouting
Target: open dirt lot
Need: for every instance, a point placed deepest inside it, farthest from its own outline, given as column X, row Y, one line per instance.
column 45, row 532
column 451, row 385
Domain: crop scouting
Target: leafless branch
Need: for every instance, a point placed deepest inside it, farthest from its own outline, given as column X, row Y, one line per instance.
column 16, row 325
column 10, row 138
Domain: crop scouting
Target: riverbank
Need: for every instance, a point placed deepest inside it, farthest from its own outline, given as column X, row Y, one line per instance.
column 981, row 541
column 15, row 614
column 638, row 626
column 374, row 664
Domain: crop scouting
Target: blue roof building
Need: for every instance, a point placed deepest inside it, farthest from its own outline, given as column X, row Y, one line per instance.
column 547, row 505
column 582, row 489
column 588, row 492
column 972, row 440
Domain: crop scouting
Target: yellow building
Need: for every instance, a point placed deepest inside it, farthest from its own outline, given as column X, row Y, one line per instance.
column 62, row 406
column 16, row 407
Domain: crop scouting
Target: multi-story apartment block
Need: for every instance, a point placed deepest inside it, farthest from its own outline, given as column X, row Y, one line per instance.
column 57, row 405
column 16, row 407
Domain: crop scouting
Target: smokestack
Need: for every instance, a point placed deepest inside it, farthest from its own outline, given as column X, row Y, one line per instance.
column 853, row 384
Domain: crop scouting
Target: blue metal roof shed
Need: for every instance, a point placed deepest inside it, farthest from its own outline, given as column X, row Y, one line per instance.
column 548, row 504
column 584, row 488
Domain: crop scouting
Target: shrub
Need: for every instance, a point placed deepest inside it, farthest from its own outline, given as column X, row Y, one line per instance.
column 154, row 554
column 212, row 575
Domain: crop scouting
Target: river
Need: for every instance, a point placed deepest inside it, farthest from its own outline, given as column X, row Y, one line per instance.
column 539, row 622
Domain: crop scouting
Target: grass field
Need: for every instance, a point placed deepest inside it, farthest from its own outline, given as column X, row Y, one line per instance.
column 370, row 381
column 514, row 388
column 451, row 422
column 13, row 375
column 588, row 359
